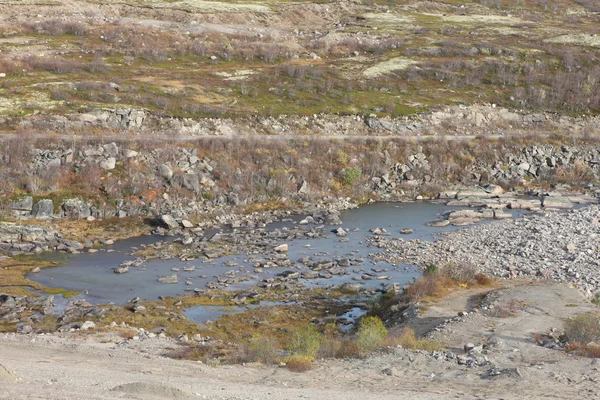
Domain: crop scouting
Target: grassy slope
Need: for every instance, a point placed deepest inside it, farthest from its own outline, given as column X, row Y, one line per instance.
column 461, row 52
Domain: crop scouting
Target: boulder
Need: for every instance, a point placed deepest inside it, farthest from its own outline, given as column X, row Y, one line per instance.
column 87, row 325
column 340, row 232
column 207, row 182
column 494, row 190
column 111, row 150
column 307, row 220
column 474, row 192
column 352, row 287
column 123, row 269
column 43, row 209
column 190, row 182
column 303, row 187
column 450, row 194
column 109, row 163
column 556, row 202
column 282, row 248
column 23, row 204
column 169, row 221
column 76, row 208
column 165, row 171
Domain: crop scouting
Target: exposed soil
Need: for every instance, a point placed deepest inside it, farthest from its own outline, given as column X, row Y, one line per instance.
column 93, row 367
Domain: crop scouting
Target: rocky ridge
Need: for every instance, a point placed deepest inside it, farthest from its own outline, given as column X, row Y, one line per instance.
column 474, row 119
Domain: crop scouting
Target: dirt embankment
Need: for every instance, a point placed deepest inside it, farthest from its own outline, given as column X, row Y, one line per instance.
column 512, row 366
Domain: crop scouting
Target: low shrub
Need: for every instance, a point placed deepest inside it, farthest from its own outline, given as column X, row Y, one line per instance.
column 592, row 350
column 406, row 338
column 483, row 279
column 403, row 337
column 583, row 329
column 46, row 324
column 371, row 334
column 462, row 273
column 306, row 342
column 507, row 308
column 428, row 285
column 349, row 348
column 351, row 175
column 330, row 343
column 262, row 349
column 299, row 363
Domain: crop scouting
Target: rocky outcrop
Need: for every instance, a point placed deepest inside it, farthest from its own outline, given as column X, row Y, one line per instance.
column 19, row 239
column 476, row 119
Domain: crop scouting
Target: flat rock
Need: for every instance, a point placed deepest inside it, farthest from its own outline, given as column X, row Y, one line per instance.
column 169, row 279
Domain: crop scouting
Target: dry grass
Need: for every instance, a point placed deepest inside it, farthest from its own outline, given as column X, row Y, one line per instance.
column 430, row 285
column 46, row 324
column 348, row 348
column 506, row 309
column 438, row 281
column 583, row 329
column 299, row 363
column 405, row 337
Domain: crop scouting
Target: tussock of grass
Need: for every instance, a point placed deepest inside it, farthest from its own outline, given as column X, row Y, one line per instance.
column 406, row 338
column 299, row 363
column 438, row 281
column 583, row 328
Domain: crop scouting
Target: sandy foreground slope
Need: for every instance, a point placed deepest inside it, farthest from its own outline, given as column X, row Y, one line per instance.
column 95, row 367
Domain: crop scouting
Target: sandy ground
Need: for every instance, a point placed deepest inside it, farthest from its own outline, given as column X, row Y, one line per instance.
column 89, row 367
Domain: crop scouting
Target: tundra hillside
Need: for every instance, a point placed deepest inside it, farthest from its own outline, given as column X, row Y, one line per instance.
column 189, row 127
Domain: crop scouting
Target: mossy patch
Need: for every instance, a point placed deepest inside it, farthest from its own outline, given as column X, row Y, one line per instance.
column 14, row 282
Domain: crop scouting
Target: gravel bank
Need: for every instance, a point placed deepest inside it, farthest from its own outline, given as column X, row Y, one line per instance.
column 559, row 246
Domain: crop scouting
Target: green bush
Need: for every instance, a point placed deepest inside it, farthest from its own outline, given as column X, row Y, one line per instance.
column 306, row 342
column 262, row 349
column 371, row 333
column 431, row 269
column 351, row 175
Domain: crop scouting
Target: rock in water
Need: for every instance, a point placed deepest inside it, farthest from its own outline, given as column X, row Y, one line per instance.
column 282, row 248
column 169, row 279
column 122, row 270
column 439, row 224
column 340, row 232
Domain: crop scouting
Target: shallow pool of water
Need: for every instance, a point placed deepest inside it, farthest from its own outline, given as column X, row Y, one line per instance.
column 204, row 314
column 93, row 272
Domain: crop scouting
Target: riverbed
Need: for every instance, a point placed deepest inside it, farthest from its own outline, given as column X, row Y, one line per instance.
column 92, row 274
